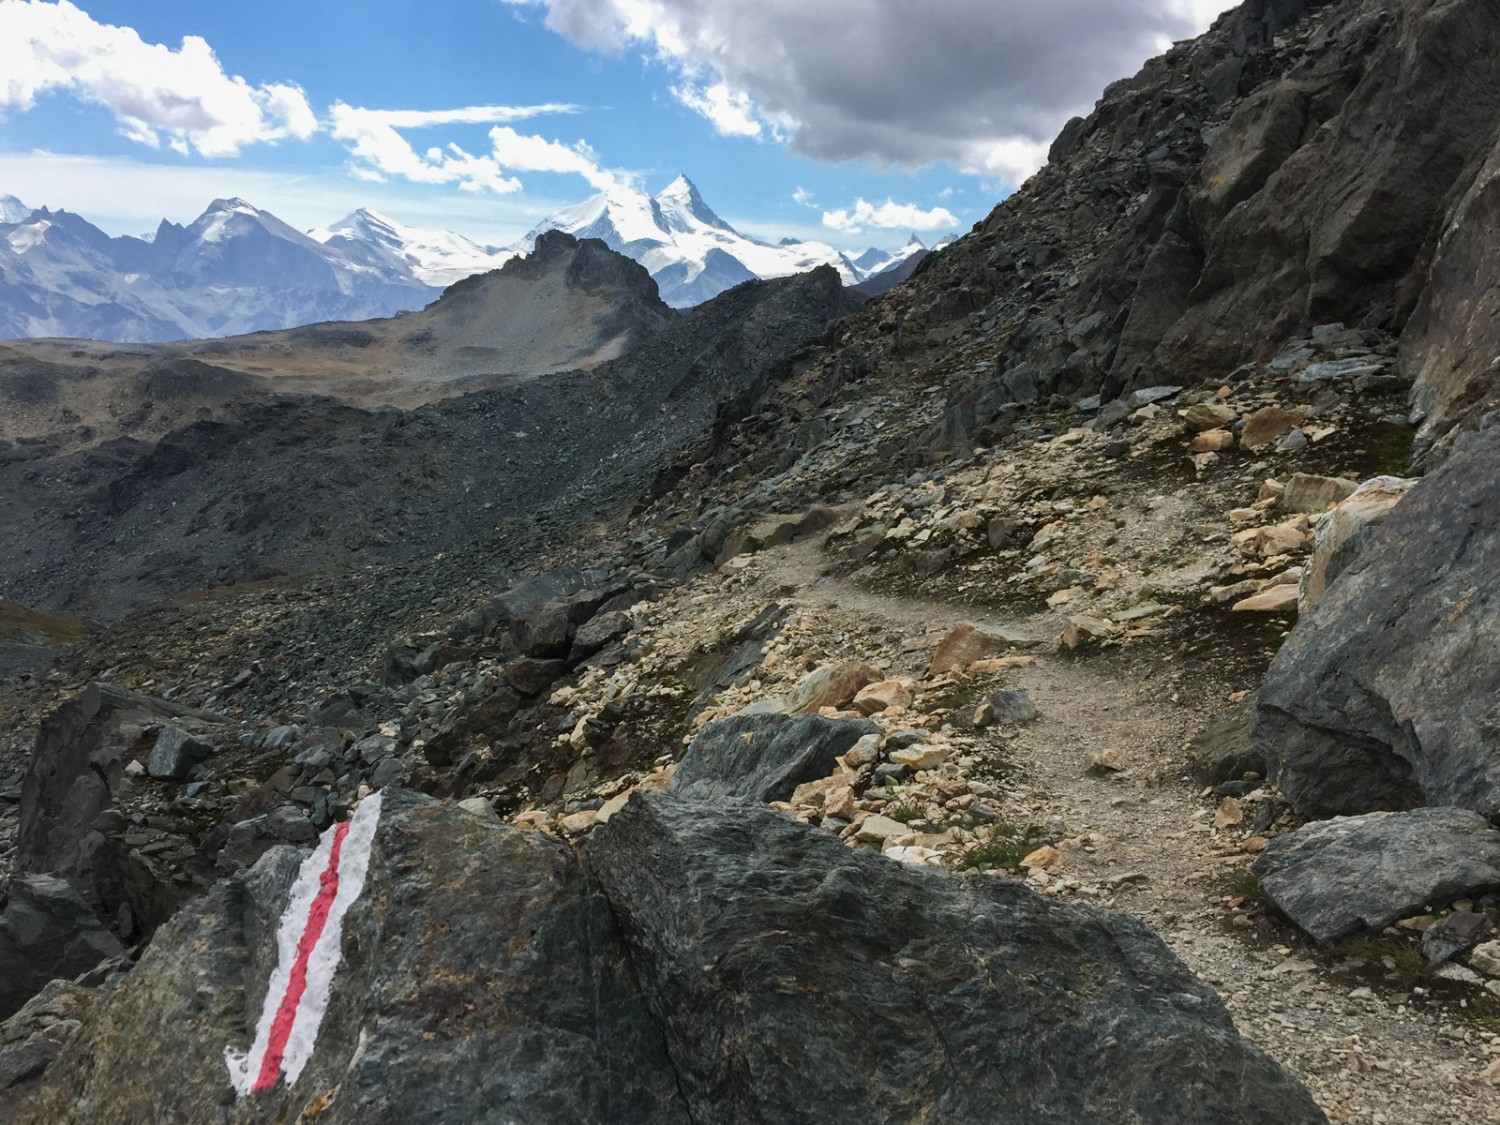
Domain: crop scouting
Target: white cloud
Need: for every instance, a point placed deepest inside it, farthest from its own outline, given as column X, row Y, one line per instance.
column 156, row 93
column 381, row 151
column 731, row 112
column 982, row 84
column 888, row 216
column 537, row 154
column 804, row 198
column 471, row 115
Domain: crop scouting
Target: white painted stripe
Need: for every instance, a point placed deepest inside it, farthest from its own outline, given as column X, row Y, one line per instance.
column 354, row 862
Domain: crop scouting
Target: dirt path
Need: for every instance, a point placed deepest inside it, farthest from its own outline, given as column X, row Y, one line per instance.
column 1143, row 841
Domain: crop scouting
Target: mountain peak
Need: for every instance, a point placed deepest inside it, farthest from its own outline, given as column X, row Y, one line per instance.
column 680, row 188
column 12, row 210
column 233, row 203
column 683, row 208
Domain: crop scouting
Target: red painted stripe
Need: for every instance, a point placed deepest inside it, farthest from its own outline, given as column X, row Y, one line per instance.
column 317, row 918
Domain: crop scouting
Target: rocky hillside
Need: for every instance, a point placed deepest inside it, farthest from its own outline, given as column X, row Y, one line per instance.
column 245, row 483
column 1300, row 164
column 926, row 716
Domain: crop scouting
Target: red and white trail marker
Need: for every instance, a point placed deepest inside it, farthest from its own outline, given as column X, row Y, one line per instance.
column 309, row 943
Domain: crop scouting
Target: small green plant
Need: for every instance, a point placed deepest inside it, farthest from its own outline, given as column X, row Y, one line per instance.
column 905, row 811
column 1005, row 848
column 1003, row 853
column 1249, row 888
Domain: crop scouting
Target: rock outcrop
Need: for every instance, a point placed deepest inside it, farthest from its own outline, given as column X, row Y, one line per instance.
column 764, row 757
column 800, row 981
column 1353, row 875
column 762, row 972
column 1385, row 696
column 46, row 931
column 483, row 979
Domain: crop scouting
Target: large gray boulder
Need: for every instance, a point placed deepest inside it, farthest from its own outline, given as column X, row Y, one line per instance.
column 76, row 769
column 764, row 757
column 46, row 931
column 483, row 980
column 1350, row 875
column 801, row 981
column 1387, row 696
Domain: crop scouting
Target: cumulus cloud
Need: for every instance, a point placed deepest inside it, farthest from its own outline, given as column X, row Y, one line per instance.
column 537, row 154
column 983, row 84
column 157, row 93
column 380, row 151
column 731, row 112
column 888, row 216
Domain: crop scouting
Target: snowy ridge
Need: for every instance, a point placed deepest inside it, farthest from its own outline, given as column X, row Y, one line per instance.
column 437, row 258
column 691, row 252
column 237, row 269
column 233, row 269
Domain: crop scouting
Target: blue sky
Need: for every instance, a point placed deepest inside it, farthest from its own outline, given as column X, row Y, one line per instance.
column 851, row 121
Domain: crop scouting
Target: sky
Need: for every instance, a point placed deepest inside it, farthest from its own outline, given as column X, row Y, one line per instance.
column 854, row 122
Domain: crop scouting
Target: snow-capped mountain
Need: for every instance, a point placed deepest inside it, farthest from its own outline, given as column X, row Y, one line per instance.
column 432, row 257
column 874, row 261
column 691, row 252
column 237, row 268
column 12, row 210
column 234, row 269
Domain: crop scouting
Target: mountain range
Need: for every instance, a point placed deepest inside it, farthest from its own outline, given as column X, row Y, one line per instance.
column 238, row 269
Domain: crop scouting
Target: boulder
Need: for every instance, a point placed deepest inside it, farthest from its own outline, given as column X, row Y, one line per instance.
column 531, row 676
column 47, row 930
column 1266, row 425
column 1343, row 533
column 1204, row 416
column 969, row 643
column 1387, row 695
column 522, row 598
column 77, row 768
column 764, row 757
column 1225, row 750
column 1350, row 875
column 1211, row 441
column 483, row 979
column 32, row 1037
column 1454, row 334
column 1274, row 599
column 799, row 980
column 175, row 753
column 1012, row 706
column 599, row 634
column 833, row 685
column 882, row 696
column 1312, row 494
column 543, row 633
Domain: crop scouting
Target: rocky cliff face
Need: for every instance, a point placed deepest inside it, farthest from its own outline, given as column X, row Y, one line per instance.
column 1300, row 164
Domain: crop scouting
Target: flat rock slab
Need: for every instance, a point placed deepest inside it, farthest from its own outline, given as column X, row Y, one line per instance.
column 1342, row 877
column 764, row 757
column 801, row 981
